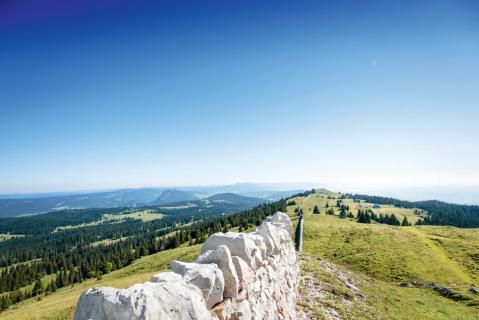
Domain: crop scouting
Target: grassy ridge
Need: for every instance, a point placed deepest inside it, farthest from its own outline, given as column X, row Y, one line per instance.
column 382, row 256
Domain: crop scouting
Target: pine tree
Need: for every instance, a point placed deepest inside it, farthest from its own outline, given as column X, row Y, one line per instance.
column 5, row 302
column 37, row 287
column 405, row 223
column 53, row 286
column 394, row 220
column 316, row 210
column 363, row 217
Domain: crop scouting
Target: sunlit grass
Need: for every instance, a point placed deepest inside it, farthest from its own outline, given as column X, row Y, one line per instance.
column 388, row 255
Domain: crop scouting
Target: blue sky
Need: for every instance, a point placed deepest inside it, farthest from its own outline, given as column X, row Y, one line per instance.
column 150, row 93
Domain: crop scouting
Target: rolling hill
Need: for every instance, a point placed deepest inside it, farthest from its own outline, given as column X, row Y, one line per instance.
column 174, row 196
column 379, row 271
column 236, row 199
column 19, row 206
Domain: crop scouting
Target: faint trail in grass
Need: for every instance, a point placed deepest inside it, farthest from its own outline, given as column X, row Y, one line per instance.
column 441, row 255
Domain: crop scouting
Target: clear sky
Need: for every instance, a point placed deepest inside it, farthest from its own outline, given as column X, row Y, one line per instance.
column 105, row 94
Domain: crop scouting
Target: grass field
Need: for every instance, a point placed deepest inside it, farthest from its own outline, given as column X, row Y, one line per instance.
column 6, row 236
column 143, row 215
column 323, row 197
column 382, row 256
column 61, row 304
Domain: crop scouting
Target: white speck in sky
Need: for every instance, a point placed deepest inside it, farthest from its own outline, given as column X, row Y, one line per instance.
column 374, row 62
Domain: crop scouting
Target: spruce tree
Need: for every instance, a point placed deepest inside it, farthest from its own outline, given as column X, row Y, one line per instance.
column 37, row 287
column 53, row 286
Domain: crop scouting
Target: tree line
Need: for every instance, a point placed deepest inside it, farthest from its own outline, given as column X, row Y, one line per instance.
column 438, row 212
column 366, row 216
column 363, row 215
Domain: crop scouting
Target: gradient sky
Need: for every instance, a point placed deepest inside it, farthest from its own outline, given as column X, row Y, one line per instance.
column 106, row 94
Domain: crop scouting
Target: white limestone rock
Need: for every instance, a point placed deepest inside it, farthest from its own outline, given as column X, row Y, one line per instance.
column 244, row 272
column 284, row 236
column 207, row 277
column 169, row 300
column 243, row 311
column 239, row 244
column 282, row 221
column 269, row 231
column 259, row 242
column 221, row 256
column 165, row 277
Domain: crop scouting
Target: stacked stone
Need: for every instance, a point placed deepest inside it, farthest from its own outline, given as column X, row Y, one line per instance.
column 238, row 276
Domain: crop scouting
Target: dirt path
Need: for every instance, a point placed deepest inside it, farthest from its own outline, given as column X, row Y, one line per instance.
column 441, row 255
column 326, row 291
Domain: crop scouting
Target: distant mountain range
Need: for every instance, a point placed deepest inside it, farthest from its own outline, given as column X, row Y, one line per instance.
column 20, row 205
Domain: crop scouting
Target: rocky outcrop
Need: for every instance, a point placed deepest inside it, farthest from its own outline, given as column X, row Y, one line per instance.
column 238, row 276
column 222, row 258
column 172, row 299
column 207, row 277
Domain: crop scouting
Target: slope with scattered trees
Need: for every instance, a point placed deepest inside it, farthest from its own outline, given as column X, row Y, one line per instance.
column 438, row 212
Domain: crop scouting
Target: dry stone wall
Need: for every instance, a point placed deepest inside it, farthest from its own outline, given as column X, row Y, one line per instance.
column 238, row 276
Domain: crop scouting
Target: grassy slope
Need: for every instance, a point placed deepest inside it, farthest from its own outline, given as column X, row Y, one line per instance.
column 61, row 304
column 143, row 215
column 382, row 255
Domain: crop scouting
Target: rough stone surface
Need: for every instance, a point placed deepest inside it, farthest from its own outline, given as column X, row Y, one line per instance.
column 474, row 290
column 222, row 258
column 259, row 241
column 173, row 300
column 238, row 276
column 207, row 277
column 282, row 221
column 244, row 272
column 165, row 277
column 271, row 235
column 239, row 244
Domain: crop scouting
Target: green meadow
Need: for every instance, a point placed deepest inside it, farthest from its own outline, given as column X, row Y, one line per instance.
column 382, row 256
